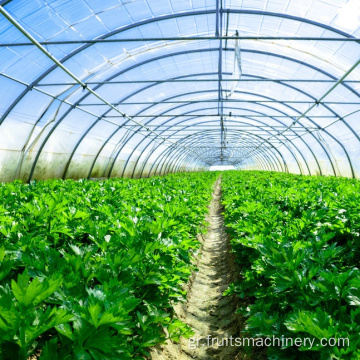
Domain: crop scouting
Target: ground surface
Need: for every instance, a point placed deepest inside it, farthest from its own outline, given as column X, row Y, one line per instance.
column 206, row 310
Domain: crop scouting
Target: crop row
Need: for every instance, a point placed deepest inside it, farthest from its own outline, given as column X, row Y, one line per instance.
column 297, row 244
column 90, row 270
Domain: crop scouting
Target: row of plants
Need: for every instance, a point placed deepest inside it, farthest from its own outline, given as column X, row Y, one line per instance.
column 90, row 270
column 297, row 245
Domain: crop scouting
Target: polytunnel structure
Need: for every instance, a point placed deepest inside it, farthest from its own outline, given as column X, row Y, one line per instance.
column 135, row 88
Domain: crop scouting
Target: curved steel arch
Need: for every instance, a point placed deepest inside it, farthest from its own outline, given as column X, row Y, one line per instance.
column 273, row 119
column 244, row 117
column 290, row 86
column 269, row 157
column 235, row 131
column 266, row 163
column 324, row 149
column 179, row 161
column 240, row 11
column 167, row 162
column 124, row 168
column 174, row 160
column 235, row 11
column 173, row 155
column 249, row 75
column 258, row 161
column 250, row 110
column 313, row 98
column 203, row 50
column 175, row 132
column 162, row 18
column 208, row 122
column 192, row 13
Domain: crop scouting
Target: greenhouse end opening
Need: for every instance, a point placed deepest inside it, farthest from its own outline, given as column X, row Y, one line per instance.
column 221, row 167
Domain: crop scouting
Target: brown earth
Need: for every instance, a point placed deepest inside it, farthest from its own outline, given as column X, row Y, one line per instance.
column 211, row 315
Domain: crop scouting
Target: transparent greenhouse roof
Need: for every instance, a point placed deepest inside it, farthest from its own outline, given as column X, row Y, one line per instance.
column 104, row 88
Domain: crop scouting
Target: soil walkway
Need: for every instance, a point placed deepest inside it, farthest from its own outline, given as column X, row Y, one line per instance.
column 209, row 314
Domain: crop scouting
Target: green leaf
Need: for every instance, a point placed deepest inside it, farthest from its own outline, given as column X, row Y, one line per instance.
column 31, row 294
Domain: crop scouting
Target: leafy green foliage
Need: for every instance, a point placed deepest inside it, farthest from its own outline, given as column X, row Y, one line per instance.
column 297, row 244
column 91, row 270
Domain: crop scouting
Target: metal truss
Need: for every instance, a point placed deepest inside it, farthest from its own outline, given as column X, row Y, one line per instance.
column 177, row 155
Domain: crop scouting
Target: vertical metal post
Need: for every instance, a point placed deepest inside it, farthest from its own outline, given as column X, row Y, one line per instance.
column 219, row 18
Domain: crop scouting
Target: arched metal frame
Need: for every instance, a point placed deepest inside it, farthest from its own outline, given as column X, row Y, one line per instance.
column 265, row 157
column 270, row 157
column 249, row 110
column 169, row 120
column 205, row 142
column 149, row 155
column 243, row 117
column 235, row 108
column 174, row 158
column 195, row 124
column 293, row 144
column 178, row 160
column 244, row 50
column 255, row 120
column 193, row 13
column 262, row 123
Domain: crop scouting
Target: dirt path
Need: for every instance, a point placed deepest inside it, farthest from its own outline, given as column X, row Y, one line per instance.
column 211, row 315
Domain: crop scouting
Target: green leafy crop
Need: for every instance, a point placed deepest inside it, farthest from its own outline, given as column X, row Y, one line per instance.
column 297, row 245
column 91, row 270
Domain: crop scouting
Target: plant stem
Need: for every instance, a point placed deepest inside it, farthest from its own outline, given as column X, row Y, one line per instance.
column 23, row 348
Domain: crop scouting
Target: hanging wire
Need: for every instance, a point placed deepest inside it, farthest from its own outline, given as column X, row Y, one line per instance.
column 237, row 71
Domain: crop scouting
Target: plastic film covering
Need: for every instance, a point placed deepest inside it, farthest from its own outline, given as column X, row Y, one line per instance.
column 135, row 88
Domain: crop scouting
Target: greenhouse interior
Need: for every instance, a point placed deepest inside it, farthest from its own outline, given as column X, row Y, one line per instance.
column 139, row 88
column 179, row 179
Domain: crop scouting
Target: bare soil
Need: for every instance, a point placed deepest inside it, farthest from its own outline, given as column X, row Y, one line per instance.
column 211, row 315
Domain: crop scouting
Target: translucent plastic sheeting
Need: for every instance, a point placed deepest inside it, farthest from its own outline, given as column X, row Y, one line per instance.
column 174, row 79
